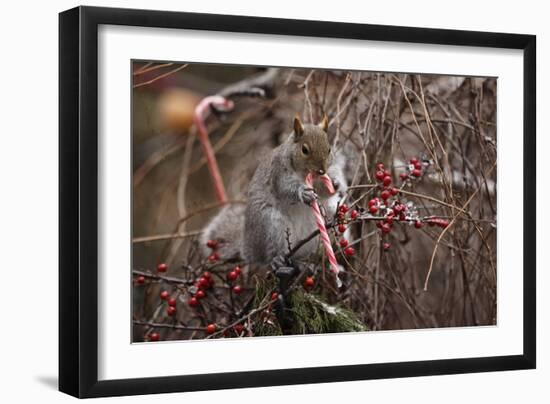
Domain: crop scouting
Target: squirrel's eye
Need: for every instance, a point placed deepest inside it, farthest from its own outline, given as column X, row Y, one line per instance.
column 305, row 149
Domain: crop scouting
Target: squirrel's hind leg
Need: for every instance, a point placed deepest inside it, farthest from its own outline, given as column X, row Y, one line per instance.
column 226, row 230
column 264, row 235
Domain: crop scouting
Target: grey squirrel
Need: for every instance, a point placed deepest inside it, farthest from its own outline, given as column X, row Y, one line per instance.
column 278, row 200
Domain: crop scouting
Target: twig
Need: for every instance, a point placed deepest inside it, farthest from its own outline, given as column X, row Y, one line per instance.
column 160, row 237
column 177, row 69
column 165, row 325
column 447, row 228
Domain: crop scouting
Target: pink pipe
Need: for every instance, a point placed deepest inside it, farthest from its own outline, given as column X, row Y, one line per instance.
column 199, row 117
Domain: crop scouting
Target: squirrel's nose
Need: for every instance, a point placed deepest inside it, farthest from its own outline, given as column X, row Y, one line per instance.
column 321, row 172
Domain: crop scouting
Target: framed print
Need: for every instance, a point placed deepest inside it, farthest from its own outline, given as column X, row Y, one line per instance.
column 252, row 202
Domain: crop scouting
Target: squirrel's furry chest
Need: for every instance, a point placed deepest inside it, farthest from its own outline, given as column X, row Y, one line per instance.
column 301, row 223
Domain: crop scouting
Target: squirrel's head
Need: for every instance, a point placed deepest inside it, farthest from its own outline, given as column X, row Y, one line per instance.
column 312, row 149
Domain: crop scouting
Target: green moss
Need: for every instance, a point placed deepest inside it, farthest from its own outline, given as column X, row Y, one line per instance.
column 310, row 313
column 313, row 316
column 266, row 324
column 264, row 287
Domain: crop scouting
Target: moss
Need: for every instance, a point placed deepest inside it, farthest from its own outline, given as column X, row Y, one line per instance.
column 313, row 316
column 266, row 324
column 264, row 287
column 310, row 313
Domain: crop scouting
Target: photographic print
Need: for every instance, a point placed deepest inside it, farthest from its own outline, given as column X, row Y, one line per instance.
column 288, row 201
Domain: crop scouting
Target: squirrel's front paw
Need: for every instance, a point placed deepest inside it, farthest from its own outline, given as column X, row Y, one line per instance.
column 308, row 195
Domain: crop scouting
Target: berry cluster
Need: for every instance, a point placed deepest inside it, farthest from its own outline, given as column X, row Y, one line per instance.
column 344, row 217
column 387, row 208
column 213, row 245
column 414, row 170
column 172, row 302
column 232, row 276
column 200, row 288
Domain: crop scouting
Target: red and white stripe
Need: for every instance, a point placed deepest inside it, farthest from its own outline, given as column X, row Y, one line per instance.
column 325, row 239
column 328, row 183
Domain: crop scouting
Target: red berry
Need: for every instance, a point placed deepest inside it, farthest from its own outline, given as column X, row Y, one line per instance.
column 386, row 246
column 232, row 275
column 443, row 223
column 380, row 167
column 212, row 244
column 162, row 267
column 172, row 302
column 213, row 257
column 390, row 213
column 344, row 208
column 394, row 191
column 387, row 173
column 354, row 214
column 418, row 224
column 373, row 202
column 237, row 289
column 389, row 220
column 386, row 228
column 387, row 180
column 140, row 279
column 373, row 209
column 349, row 251
column 171, row 310
column 237, row 269
column 200, row 294
column 403, row 176
column 164, row 295
column 416, row 172
column 385, row 194
column 418, row 166
column 343, row 243
column 309, row 282
column 398, row 208
column 193, row 302
column 414, row 160
column 274, row 296
column 380, row 175
column 239, row 328
column 211, row 329
column 203, row 282
column 207, row 275
column 154, row 336
column 341, row 228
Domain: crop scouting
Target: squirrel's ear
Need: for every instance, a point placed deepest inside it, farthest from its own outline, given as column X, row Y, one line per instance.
column 324, row 123
column 298, row 127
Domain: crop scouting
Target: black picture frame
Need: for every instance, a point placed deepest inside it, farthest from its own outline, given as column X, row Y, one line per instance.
column 78, row 201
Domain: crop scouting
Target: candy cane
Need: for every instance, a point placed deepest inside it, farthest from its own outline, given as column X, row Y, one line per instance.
column 198, row 118
column 328, row 184
column 321, row 224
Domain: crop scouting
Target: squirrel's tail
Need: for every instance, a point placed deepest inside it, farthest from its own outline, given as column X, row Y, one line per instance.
column 226, row 228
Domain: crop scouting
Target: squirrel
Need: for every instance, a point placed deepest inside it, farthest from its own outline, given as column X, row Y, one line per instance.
column 278, row 205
